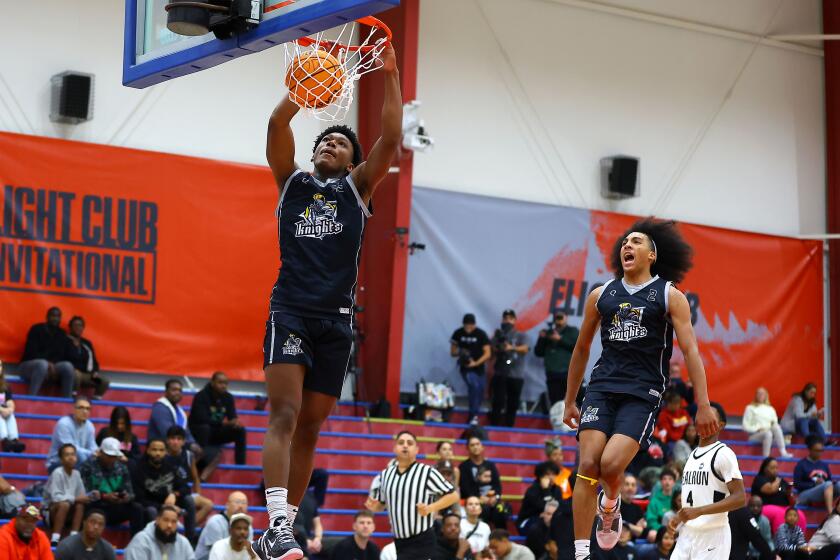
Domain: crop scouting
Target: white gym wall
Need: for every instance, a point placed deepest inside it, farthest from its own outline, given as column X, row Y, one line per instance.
column 523, row 98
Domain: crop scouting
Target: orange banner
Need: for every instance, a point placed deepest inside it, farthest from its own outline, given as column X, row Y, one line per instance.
column 169, row 259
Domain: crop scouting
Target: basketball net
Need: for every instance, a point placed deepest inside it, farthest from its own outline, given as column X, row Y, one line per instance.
column 354, row 61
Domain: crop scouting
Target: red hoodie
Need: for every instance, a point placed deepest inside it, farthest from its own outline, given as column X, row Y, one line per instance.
column 672, row 424
column 13, row 548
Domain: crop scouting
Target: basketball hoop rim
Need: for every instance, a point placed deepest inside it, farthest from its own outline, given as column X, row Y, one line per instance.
column 369, row 21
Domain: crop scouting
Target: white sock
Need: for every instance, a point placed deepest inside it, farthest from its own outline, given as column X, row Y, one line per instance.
column 73, row 533
column 275, row 503
column 608, row 504
column 582, row 549
column 55, row 536
column 291, row 513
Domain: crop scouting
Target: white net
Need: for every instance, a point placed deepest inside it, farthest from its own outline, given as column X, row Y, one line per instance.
column 322, row 70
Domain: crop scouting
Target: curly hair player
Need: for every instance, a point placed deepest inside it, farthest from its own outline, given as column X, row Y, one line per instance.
column 638, row 313
column 321, row 218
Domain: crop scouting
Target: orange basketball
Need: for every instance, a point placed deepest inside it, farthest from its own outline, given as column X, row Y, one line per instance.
column 314, row 78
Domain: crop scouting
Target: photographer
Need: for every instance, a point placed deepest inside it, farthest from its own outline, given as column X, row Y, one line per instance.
column 555, row 347
column 471, row 346
column 510, row 348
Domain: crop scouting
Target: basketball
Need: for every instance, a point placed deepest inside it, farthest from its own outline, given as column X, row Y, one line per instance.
column 314, row 78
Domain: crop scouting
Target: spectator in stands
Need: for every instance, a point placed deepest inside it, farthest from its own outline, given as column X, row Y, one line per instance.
column 683, row 388
column 631, row 513
column 44, row 356
column 447, row 453
column 9, row 435
column 510, row 347
column 790, row 539
column 308, row 529
column 761, row 523
column 683, row 446
column 762, row 424
column 503, row 549
column 74, row 428
column 660, row 502
column 802, row 416
column 554, row 452
column 160, row 539
column 551, row 551
column 80, row 353
column 469, row 469
column 184, row 463
column 358, row 546
column 471, row 346
column 775, row 493
column 108, row 484
column 538, row 494
column 540, row 530
column 745, row 534
column 555, row 346
column 812, row 477
column 476, row 531
column 64, row 492
column 119, row 428
column 826, row 540
column 218, row 527
column 89, row 544
column 494, row 511
column 446, row 469
column 672, row 421
column 214, row 422
column 676, row 506
column 11, row 499
column 156, row 484
column 166, row 412
column 450, row 544
column 238, row 545
column 663, row 546
column 20, row 539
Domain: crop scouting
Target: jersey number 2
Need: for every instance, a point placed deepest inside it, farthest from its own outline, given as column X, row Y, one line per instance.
column 689, row 500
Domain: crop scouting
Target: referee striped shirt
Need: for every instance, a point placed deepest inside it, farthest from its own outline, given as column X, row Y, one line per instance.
column 402, row 491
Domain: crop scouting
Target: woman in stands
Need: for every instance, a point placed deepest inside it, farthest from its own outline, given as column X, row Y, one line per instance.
column 321, row 218
column 762, row 424
column 119, row 428
column 775, row 493
column 825, row 544
column 802, row 416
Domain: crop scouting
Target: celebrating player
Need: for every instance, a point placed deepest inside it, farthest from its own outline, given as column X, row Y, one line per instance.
column 321, row 218
column 712, row 485
column 638, row 314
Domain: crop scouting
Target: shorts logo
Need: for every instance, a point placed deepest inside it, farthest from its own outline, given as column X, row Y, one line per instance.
column 627, row 323
column 319, row 219
column 589, row 415
column 654, row 392
column 292, row 346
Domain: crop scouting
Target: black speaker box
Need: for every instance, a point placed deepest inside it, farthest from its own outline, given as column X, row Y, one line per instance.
column 620, row 177
column 72, row 97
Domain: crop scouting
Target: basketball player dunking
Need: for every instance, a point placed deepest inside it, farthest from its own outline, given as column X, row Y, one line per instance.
column 321, row 218
column 638, row 314
column 712, row 486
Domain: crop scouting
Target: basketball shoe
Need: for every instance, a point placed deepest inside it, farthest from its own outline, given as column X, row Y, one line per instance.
column 608, row 528
column 277, row 543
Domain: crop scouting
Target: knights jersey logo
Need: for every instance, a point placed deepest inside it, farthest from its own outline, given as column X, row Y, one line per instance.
column 627, row 323
column 292, row 346
column 319, row 219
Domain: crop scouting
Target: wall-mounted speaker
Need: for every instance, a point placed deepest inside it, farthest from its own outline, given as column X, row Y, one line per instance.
column 619, row 177
column 72, row 97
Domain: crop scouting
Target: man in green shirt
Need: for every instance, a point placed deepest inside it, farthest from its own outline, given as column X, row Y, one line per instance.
column 555, row 347
column 660, row 501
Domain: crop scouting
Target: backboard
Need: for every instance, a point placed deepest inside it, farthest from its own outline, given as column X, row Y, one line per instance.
column 152, row 54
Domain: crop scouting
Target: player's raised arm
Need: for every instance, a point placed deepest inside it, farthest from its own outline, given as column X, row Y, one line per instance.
column 370, row 173
column 580, row 355
column 680, row 313
column 280, row 144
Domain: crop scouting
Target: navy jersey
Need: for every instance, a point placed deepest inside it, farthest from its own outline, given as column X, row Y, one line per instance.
column 320, row 227
column 637, row 338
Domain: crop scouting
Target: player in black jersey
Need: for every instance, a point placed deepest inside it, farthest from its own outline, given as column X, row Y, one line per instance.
column 321, row 218
column 638, row 313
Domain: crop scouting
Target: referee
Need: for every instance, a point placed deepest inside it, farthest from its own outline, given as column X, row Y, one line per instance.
column 412, row 492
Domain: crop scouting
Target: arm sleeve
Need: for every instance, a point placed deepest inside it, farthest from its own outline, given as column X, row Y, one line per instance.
column 93, row 355
column 128, row 486
column 539, row 347
column 231, row 409
column 726, row 464
column 748, row 421
column 496, row 481
column 77, row 488
column 437, row 484
column 800, row 477
column 32, row 349
column 87, row 446
column 754, row 537
column 799, row 408
column 569, row 338
column 200, row 410
column 452, row 338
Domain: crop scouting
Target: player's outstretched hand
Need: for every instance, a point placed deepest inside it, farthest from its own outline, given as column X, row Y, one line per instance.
column 388, row 57
column 571, row 416
column 706, row 421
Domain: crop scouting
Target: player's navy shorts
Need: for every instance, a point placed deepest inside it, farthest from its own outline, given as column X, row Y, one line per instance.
column 323, row 346
column 619, row 413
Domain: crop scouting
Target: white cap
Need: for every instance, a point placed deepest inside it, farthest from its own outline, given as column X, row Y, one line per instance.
column 241, row 517
column 111, row 447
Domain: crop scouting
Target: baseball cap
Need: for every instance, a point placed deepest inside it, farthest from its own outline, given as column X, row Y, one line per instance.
column 111, row 447
column 241, row 516
column 469, row 319
column 509, row 313
column 30, row 510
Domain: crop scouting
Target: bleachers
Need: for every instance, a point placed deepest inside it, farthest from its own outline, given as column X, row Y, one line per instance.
column 352, row 449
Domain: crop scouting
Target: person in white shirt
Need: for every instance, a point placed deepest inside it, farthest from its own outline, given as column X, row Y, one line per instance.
column 762, row 424
column 389, row 552
column 712, row 486
column 476, row 531
column 65, row 493
column 825, row 544
column 218, row 527
column 236, row 546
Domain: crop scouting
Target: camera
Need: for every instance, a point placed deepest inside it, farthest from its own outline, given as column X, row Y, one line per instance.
column 464, row 358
